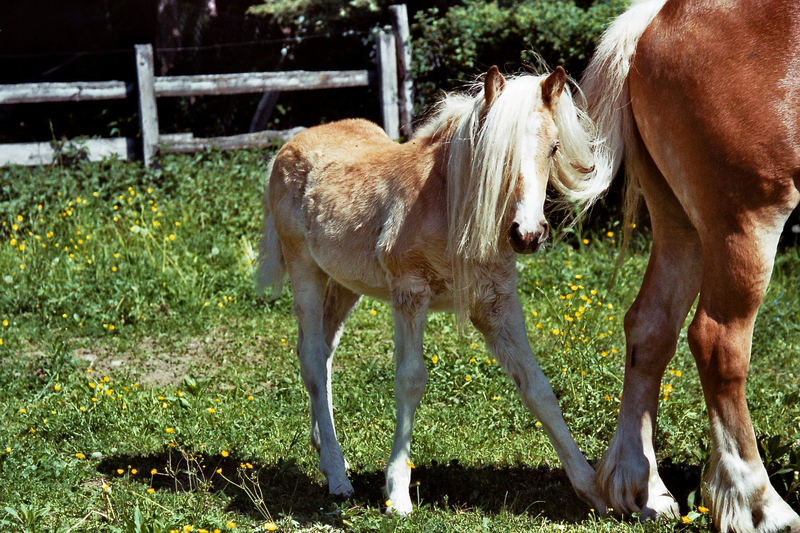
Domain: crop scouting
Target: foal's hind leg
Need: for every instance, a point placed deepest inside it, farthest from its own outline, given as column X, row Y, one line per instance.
column 308, row 289
column 627, row 474
column 339, row 302
column 500, row 318
column 736, row 272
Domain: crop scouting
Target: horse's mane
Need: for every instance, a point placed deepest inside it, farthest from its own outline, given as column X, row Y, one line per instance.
column 484, row 161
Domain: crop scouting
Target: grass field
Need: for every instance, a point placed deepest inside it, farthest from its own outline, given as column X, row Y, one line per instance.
column 145, row 388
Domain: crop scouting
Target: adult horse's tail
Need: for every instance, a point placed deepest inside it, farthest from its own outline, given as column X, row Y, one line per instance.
column 605, row 84
column 271, row 267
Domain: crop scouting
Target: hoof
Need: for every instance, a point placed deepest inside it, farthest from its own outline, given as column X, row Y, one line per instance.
column 661, row 506
column 342, row 491
column 400, row 509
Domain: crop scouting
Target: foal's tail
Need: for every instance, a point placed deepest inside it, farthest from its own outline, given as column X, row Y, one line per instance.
column 271, row 267
column 605, row 84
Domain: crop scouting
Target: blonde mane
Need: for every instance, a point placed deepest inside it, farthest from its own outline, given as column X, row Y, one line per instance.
column 483, row 167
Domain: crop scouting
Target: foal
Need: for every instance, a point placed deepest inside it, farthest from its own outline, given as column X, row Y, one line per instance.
column 431, row 224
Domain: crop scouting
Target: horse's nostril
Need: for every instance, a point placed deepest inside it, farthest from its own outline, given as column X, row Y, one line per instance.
column 545, row 232
column 514, row 231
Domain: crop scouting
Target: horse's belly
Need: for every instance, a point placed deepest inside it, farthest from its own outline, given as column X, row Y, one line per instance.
column 352, row 261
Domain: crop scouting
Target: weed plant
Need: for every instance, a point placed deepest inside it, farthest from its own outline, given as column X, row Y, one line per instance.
column 144, row 387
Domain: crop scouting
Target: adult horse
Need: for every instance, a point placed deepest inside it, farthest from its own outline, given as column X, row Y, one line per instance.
column 701, row 100
column 433, row 223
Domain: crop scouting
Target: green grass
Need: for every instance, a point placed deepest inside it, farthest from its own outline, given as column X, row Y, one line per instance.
column 132, row 342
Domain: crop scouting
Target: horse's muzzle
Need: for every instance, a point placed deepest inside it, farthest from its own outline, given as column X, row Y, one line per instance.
column 527, row 242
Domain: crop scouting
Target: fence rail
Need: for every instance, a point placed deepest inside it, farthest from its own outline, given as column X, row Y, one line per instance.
column 77, row 91
column 395, row 103
column 253, row 82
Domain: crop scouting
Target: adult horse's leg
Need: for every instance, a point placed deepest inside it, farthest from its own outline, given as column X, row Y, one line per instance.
column 737, row 267
column 409, row 307
column 500, row 318
column 339, row 301
column 628, row 474
column 308, row 289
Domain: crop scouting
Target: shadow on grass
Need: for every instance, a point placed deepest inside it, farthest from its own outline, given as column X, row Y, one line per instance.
column 284, row 488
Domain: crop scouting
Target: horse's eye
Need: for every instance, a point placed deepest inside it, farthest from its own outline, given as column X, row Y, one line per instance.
column 554, row 149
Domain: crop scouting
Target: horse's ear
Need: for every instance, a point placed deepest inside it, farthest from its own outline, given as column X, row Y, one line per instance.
column 493, row 85
column 553, row 85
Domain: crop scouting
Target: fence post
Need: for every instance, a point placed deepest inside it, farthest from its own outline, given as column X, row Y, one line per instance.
column 406, row 89
column 148, row 112
column 387, row 78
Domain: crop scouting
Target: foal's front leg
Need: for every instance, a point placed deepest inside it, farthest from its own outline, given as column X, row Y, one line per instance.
column 501, row 320
column 410, row 306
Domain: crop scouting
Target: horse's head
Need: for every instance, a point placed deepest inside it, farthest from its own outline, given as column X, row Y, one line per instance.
column 504, row 146
column 538, row 146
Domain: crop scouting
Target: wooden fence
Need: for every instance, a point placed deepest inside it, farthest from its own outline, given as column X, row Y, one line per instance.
column 396, row 101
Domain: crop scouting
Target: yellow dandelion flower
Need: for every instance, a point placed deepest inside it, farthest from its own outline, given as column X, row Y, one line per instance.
column 151, row 490
column 250, row 397
column 702, row 509
column 678, row 373
column 686, row 520
column 610, row 234
column 153, row 472
column 219, row 471
column 23, row 410
column 224, row 453
column 434, row 359
column 468, row 378
column 211, row 410
column 269, row 526
column 79, row 455
column 169, row 430
column 120, row 471
column 410, row 464
column 389, row 503
column 373, row 312
column 230, row 524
